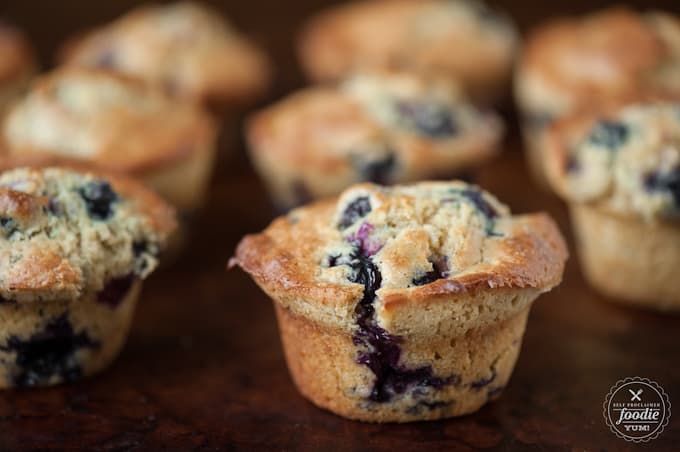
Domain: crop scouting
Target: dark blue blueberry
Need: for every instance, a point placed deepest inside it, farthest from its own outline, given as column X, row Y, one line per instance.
column 428, row 118
column 481, row 204
column 99, row 198
column 354, row 211
column 115, row 290
column 48, row 353
column 439, row 270
column 669, row 181
column 378, row 171
column 609, row 134
column 53, row 207
column 8, row 225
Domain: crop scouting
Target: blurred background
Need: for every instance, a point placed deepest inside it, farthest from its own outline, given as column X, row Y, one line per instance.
column 271, row 23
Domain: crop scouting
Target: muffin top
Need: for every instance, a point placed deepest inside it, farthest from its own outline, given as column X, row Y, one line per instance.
column 461, row 38
column 606, row 54
column 404, row 246
column 115, row 122
column 625, row 160
column 385, row 126
column 64, row 234
column 186, row 47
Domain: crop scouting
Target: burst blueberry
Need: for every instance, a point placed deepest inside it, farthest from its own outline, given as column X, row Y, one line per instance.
column 668, row 181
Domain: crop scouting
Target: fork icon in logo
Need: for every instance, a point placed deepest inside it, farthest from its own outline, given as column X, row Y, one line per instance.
column 636, row 395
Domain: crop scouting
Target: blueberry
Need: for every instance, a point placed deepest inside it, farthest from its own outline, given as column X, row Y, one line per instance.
column 99, row 198
column 381, row 351
column 609, row 134
column 354, row 211
column 428, row 118
column 8, row 225
column 54, row 207
column 477, row 199
column 48, row 353
column 378, row 171
column 115, row 290
column 439, row 271
column 669, row 181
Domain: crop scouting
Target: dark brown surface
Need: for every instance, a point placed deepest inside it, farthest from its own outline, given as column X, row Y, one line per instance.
column 203, row 367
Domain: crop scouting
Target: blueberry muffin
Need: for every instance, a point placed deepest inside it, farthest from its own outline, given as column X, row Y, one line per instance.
column 406, row 303
column 619, row 171
column 75, row 249
column 186, row 47
column 17, row 64
column 572, row 62
column 118, row 124
column 462, row 40
column 377, row 127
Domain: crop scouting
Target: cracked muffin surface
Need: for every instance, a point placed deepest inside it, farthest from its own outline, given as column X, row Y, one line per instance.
column 463, row 40
column 398, row 281
column 382, row 127
column 187, row 48
column 75, row 249
column 65, row 233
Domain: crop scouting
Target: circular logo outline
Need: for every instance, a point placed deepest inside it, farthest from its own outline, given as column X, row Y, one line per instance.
column 652, row 385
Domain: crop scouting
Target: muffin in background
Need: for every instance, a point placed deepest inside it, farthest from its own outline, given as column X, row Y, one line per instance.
column 404, row 303
column 619, row 171
column 461, row 40
column 75, row 250
column 186, row 47
column 117, row 124
column 378, row 127
column 571, row 63
column 17, row 64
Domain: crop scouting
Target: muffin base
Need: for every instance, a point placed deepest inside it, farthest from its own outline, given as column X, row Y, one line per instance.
column 628, row 260
column 44, row 344
column 323, row 365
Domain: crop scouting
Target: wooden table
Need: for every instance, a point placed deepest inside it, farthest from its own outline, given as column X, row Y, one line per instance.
column 203, row 367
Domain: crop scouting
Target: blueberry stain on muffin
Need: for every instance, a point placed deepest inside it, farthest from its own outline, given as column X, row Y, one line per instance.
column 99, row 198
column 439, row 270
column 428, row 118
column 9, row 226
column 48, row 354
column 609, row 134
column 380, row 350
